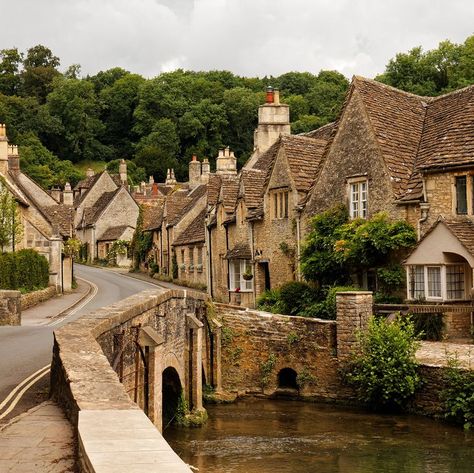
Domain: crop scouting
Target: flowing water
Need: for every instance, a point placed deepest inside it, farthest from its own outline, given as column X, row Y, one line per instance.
column 262, row 436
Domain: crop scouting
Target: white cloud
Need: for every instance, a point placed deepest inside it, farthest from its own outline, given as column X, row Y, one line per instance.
column 250, row 37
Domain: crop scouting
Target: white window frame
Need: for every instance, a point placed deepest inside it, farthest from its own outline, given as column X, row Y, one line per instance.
column 358, row 197
column 443, row 282
column 239, row 282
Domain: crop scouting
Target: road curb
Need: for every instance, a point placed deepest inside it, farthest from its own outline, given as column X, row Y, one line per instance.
column 74, row 304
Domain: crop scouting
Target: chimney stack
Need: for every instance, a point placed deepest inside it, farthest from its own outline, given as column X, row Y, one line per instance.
column 56, row 194
column 194, row 172
column 123, row 172
column 154, row 189
column 151, row 180
column 205, row 171
column 170, row 179
column 89, row 172
column 276, row 97
column 270, row 94
column 226, row 162
column 68, row 198
column 13, row 159
column 3, row 149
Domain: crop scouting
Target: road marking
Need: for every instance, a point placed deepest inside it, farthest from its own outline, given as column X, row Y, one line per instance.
column 35, row 377
column 95, row 290
column 154, row 284
column 32, row 379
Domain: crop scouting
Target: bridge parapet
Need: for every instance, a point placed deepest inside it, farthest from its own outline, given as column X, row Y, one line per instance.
column 106, row 367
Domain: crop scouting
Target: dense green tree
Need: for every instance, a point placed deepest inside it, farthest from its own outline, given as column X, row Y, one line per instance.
column 74, row 105
column 107, row 78
column 10, row 64
column 39, row 70
column 11, row 228
column 296, row 83
column 298, row 106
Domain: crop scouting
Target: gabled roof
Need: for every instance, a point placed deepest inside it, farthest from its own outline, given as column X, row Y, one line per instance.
column 304, row 158
column 448, row 136
column 114, row 233
column 59, row 216
column 252, row 187
column 230, row 192
column 396, row 118
column 194, row 232
column 213, row 189
column 179, row 205
column 92, row 214
column 153, row 216
column 239, row 251
column 86, row 185
column 323, row 132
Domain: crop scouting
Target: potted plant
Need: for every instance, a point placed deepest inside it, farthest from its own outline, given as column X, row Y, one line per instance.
column 248, row 275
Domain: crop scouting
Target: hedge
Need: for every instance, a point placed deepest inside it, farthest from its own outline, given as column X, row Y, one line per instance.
column 26, row 270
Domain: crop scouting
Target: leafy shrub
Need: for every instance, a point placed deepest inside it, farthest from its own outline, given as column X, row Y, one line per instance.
column 24, row 269
column 295, row 296
column 269, row 301
column 429, row 326
column 384, row 370
column 326, row 309
column 458, row 395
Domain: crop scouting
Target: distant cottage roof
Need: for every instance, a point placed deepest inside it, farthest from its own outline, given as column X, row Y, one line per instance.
column 194, row 232
column 113, row 233
column 92, row 214
column 239, row 251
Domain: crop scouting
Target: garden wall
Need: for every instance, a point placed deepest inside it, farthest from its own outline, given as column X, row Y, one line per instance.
column 31, row 299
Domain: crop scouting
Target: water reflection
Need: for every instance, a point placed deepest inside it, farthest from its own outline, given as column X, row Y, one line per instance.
column 279, row 436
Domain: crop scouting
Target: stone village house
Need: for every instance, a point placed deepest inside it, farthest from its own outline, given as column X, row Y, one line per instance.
column 105, row 213
column 47, row 222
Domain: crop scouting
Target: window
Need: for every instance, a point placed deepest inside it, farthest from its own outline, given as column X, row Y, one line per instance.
column 191, row 256
column 358, row 199
column 199, row 259
column 237, row 269
column 455, row 281
column 280, row 204
column 434, row 281
column 182, row 257
column 417, row 282
column 461, row 195
column 446, row 282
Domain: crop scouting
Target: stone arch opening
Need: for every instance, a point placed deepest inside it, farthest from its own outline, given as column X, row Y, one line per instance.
column 287, row 378
column 171, row 393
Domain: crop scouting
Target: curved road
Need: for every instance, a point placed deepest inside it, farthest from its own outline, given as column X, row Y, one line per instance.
column 26, row 349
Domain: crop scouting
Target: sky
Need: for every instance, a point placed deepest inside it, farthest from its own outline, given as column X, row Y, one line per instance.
column 247, row 37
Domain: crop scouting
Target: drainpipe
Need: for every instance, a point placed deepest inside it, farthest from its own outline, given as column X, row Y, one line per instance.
column 298, row 243
column 169, row 250
column 160, row 235
column 252, row 253
column 424, row 207
column 228, row 263
column 208, row 258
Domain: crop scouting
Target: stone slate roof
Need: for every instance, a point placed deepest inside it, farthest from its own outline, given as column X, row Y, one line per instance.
column 58, row 215
column 230, row 193
column 92, row 214
column 87, row 185
column 213, row 189
column 304, row 158
column 239, row 251
column 113, row 233
column 194, row 232
column 153, row 216
column 252, row 187
column 324, row 132
column 397, row 119
column 179, row 205
column 448, row 136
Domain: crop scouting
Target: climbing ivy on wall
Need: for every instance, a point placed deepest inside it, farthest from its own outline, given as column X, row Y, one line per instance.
column 141, row 243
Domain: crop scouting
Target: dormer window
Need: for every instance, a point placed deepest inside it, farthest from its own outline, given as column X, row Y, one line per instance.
column 358, row 192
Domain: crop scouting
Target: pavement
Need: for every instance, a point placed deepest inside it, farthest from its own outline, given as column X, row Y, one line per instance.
column 40, row 441
column 438, row 354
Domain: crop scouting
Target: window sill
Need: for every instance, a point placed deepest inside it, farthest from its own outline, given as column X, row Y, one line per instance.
column 246, row 291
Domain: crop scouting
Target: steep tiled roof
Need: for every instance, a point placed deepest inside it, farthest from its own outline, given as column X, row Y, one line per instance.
column 153, row 216
column 213, row 188
column 113, row 233
column 91, row 214
column 463, row 230
column 304, row 157
column 86, row 184
column 397, row 120
column 253, row 181
column 194, row 232
column 448, row 137
column 181, row 206
column 265, row 160
column 239, row 251
column 230, row 192
column 61, row 217
column 323, row 132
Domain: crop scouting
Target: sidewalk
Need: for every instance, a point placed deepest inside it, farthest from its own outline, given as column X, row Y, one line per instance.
column 38, row 441
column 45, row 312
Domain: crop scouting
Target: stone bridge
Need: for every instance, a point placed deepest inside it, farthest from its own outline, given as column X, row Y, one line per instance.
column 139, row 356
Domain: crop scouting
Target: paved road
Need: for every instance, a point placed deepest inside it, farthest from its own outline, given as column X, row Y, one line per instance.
column 26, row 349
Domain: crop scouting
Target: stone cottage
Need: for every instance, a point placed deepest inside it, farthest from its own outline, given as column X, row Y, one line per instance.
column 105, row 213
column 47, row 222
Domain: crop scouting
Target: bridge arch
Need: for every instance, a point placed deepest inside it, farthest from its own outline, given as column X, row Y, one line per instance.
column 287, row 379
column 171, row 390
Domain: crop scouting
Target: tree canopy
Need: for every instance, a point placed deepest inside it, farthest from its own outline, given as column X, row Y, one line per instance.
column 160, row 122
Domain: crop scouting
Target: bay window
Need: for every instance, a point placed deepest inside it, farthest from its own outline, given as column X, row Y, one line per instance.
column 437, row 282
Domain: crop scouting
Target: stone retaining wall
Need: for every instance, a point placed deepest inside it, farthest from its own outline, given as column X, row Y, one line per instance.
column 10, row 309
column 111, row 428
column 36, row 297
column 252, row 339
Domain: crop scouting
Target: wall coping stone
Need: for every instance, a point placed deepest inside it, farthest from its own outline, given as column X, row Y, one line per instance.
column 84, row 382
